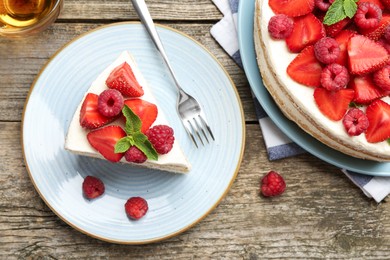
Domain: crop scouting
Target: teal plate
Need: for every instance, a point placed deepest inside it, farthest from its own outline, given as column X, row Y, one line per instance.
column 176, row 202
column 307, row 142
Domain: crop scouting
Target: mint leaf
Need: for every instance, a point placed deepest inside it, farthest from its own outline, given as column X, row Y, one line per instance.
column 350, row 8
column 124, row 144
column 142, row 143
column 335, row 13
column 133, row 123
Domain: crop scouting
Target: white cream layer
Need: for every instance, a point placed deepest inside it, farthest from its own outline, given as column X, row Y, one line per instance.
column 76, row 140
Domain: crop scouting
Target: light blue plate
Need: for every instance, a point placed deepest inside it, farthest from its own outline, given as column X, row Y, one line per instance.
column 176, row 202
column 307, row 142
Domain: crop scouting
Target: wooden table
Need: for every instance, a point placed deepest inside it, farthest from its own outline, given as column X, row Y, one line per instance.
column 321, row 214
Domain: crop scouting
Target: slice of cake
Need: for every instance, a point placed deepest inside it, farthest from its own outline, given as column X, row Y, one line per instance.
column 119, row 120
column 330, row 79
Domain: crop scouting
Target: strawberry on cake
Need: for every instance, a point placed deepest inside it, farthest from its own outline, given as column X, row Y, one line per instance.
column 326, row 64
column 119, row 120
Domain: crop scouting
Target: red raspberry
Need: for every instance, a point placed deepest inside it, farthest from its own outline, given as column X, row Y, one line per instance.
column 368, row 15
column 110, row 103
column 136, row 207
column 280, row 26
column 135, row 155
column 382, row 78
column 272, row 184
column 334, row 77
column 93, row 187
column 323, row 5
column 355, row 122
column 161, row 137
column 327, row 50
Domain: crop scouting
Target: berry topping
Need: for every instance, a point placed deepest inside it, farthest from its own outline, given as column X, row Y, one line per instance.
column 110, row 103
column 333, row 104
column 386, row 33
column 90, row 117
column 93, row 187
column 386, row 3
column 145, row 110
column 104, row 140
column 272, row 184
column 135, row 155
column 280, row 26
column 292, row 8
column 323, row 5
column 136, row 207
column 334, row 77
column 122, row 79
column 365, row 55
column 305, row 68
column 382, row 78
column 342, row 39
column 327, row 50
column 368, row 15
column 336, row 28
column 355, row 122
column 161, row 137
column 365, row 89
column 307, row 30
column 376, row 33
column 378, row 114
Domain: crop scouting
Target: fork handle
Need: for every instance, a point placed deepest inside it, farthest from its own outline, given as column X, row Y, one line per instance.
column 146, row 18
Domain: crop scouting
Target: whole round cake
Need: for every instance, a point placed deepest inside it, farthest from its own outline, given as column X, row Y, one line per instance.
column 326, row 64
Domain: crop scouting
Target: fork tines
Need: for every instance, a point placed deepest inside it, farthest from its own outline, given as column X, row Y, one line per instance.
column 196, row 125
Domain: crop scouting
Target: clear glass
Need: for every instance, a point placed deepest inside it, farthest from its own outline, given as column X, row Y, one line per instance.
column 21, row 18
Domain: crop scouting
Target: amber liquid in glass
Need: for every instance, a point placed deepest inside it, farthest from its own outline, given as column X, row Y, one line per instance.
column 23, row 13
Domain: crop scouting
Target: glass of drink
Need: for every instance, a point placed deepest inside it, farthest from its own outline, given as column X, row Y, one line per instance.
column 20, row 18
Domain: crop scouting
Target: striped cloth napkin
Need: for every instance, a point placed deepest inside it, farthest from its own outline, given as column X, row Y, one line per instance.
column 277, row 144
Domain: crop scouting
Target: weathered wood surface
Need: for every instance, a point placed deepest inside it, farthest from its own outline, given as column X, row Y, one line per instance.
column 321, row 214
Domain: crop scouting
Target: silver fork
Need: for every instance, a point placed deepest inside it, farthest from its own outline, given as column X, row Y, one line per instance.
column 189, row 109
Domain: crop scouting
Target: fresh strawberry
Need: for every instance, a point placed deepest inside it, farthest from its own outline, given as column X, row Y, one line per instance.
column 145, row 110
column 342, row 39
column 292, row 8
column 365, row 89
column 336, row 28
column 365, row 55
column 305, row 68
column 377, row 32
column 307, row 30
column 90, row 117
column 272, row 184
column 377, row 2
column 333, row 104
column 378, row 114
column 122, row 79
column 104, row 140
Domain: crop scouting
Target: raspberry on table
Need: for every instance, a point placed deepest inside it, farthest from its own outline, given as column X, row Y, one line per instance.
column 323, row 5
column 327, row 50
column 135, row 155
column 382, row 78
column 93, row 187
column 136, row 207
column 110, row 103
column 280, row 26
column 355, row 122
column 161, row 137
column 368, row 15
column 334, row 77
column 272, row 184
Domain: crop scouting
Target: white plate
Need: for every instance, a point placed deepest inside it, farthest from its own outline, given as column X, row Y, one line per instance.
column 176, row 202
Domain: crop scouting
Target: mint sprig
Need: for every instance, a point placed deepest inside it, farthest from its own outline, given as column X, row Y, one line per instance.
column 134, row 136
column 339, row 10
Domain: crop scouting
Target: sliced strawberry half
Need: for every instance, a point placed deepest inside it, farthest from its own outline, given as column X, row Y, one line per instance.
column 307, row 30
column 104, row 140
column 365, row 55
column 378, row 114
column 365, row 89
column 305, row 68
column 292, row 8
column 122, row 79
column 335, row 29
column 145, row 110
column 342, row 39
column 90, row 117
column 333, row 104
column 377, row 32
